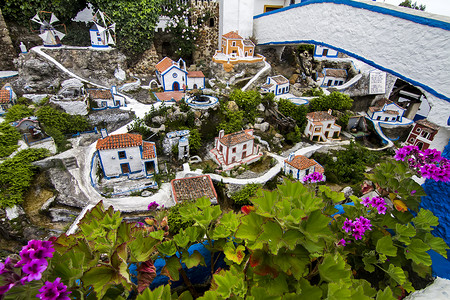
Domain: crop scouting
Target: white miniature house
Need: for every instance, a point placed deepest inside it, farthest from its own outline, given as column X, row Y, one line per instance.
column 276, row 84
column 6, row 99
column 236, row 148
column 299, row 166
column 387, row 111
column 106, row 98
column 332, row 77
column 173, row 76
column 321, row 126
column 127, row 154
column 320, row 51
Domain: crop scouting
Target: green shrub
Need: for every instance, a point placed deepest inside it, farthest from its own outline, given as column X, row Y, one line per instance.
column 297, row 112
column 61, row 121
column 61, row 142
column 16, row 175
column 17, row 112
column 176, row 223
column 306, row 47
column 9, row 137
column 334, row 101
column 243, row 196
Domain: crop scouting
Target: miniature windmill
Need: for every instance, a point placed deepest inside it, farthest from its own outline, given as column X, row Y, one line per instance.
column 48, row 22
column 103, row 32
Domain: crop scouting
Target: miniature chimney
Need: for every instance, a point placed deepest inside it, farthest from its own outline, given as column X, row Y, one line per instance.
column 103, row 132
column 221, row 133
column 114, row 90
column 291, row 156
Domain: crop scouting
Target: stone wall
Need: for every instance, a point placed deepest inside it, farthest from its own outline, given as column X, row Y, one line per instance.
column 6, row 47
column 208, row 30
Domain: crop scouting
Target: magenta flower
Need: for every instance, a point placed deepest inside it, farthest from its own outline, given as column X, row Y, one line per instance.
column 313, row 178
column 35, row 268
column 365, row 223
column 343, row 242
column 152, row 205
column 348, row 225
column 54, row 291
column 366, row 201
column 413, row 192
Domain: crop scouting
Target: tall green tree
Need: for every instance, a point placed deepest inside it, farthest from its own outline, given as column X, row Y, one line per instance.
column 410, row 4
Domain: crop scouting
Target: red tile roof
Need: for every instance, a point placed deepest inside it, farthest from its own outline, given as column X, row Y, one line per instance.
column 196, row 74
column 391, row 112
column 100, row 94
column 320, row 116
column 5, row 96
column 280, row 79
column 236, row 138
column 117, row 141
column 300, row 162
column 149, row 150
column 338, row 73
column 249, row 43
column 318, row 168
column 164, row 64
column 426, row 123
column 170, row 96
column 193, row 188
column 232, row 35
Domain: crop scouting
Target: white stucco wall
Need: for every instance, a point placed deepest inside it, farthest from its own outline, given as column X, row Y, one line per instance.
column 111, row 166
column 228, row 154
column 169, row 79
column 195, row 80
column 441, row 139
column 259, row 5
column 318, row 51
column 394, row 44
column 236, row 15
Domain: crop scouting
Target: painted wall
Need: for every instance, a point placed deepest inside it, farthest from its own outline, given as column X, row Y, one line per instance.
column 296, row 173
column 169, row 79
column 228, row 154
column 236, row 15
column 318, row 52
column 111, row 163
column 259, row 5
column 199, row 81
column 391, row 42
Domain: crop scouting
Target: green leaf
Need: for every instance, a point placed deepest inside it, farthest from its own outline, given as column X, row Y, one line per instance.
column 265, row 202
column 404, row 233
column 369, row 260
column 186, row 295
column 340, row 290
column 172, row 268
column 336, row 197
column 316, row 226
column 236, row 255
column 271, row 235
column 181, row 239
column 230, row 221
column 167, row 248
column 386, row 246
column 192, row 260
column 119, row 262
column 293, row 261
column 417, row 252
column 291, row 238
column 366, row 287
column 203, row 203
column 230, row 282
column 333, row 268
column 194, row 233
column 308, row 291
column 422, row 270
column 250, row 227
column 437, row 244
column 425, row 219
column 397, row 274
column 141, row 248
column 385, row 295
column 160, row 293
column 158, row 235
column 274, row 286
column 261, row 293
column 100, row 278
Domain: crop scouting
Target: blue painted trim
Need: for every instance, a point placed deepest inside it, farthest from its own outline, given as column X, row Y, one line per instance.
column 128, row 169
column 101, row 164
column 118, row 154
column 367, row 61
column 366, row 6
column 99, row 46
column 330, row 56
column 57, row 45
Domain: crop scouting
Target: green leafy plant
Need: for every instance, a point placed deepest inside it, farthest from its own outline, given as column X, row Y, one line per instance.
column 247, row 101
column 334, row 101
column 9, row 137
column 18, row 112
column 242, row 197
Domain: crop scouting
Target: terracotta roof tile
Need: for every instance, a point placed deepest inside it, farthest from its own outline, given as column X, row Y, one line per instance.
column 318, row 168
column 267, row 86
column 320, row 116
column 236, row 138
column 5, row 96
column 374, row 108
column 170, row 96
column 100, row 94
column 164, row 64
column 339, row 73
column 280, row 79
column 391, row 112
column 196, row 74
column 193, row 188
column 301, row 162
column 232, row 35
column 149, row 150
column 116, row 141
column 426, row 123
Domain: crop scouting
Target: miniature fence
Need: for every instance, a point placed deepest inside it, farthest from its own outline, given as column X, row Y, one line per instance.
column 84, row 132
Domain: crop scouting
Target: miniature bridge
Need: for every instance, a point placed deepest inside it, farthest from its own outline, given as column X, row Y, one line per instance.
column 410, row 44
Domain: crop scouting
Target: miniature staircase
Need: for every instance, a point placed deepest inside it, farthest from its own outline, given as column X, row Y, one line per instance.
column 218, row 156
column 70, row 163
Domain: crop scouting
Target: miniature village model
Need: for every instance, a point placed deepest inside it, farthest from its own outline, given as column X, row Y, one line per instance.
column 289, row 147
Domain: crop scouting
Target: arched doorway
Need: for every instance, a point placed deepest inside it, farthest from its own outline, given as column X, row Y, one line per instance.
column 195, row 86
column 176, row 86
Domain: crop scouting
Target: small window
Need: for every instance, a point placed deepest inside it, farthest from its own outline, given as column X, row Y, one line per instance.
column 418, row 129
column 233, row 150
column 378, row 118
column 330, row 82
column 250, row 51
column 244, row 147
column 425, row 134
column 220, row 148
column 233, row 44
column 99, row 39
column 411, row 140
column 386, row 118
column 122, row 155
column 329, row 125
column 211, row 22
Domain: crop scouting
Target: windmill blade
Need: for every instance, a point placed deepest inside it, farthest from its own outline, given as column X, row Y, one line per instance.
column 53, row 19
column 100, row 28
column 59, row 34
column 46, row 37
column 110, row 39
column 103, row 18
column 112, row 27
column 37, row 19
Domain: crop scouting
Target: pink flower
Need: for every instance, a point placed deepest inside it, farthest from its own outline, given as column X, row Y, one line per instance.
column 342, row 242
column 348, row 225
column 35, row 268
column 54, row 291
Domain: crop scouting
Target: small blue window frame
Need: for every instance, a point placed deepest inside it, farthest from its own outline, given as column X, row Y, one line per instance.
column 122, row 155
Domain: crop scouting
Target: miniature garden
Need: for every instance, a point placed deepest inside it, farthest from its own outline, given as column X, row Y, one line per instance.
column 165, row 168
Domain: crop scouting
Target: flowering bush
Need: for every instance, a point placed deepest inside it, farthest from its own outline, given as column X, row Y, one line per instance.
column 289, row 244
column 313, row 178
